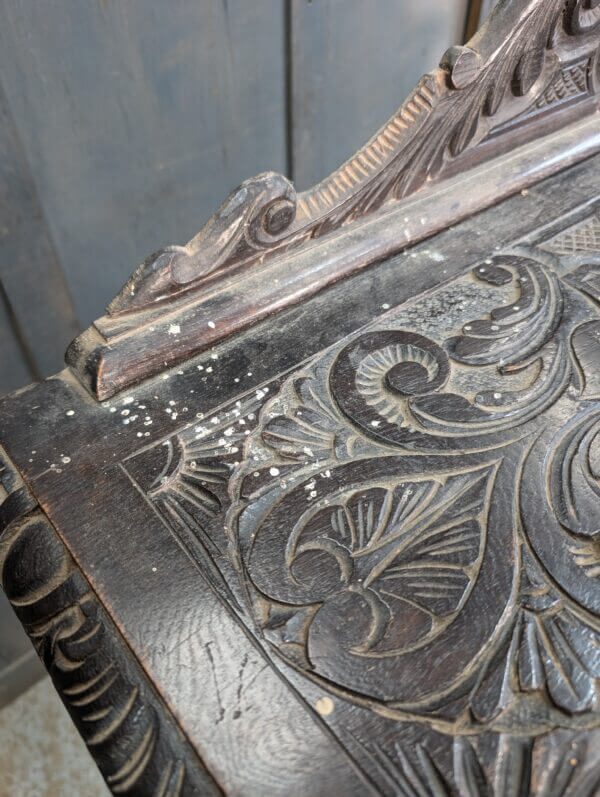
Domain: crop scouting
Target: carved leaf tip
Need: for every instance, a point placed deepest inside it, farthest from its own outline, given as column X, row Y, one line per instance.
column 463, row 64
column 249, row 220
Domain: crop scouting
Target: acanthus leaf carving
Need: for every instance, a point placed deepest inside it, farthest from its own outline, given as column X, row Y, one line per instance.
column 477, row 89
column 370, row 436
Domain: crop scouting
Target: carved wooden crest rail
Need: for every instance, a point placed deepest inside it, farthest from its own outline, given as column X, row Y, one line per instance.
column 532, row 68
column 353, row 549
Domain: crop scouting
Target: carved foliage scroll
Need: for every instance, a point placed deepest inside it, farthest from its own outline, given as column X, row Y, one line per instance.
column 531, row 57
column 127, row 733
column 412, row 464
column 413, row 516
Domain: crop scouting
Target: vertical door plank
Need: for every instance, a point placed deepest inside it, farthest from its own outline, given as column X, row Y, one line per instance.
column 14, row 369
column 477, row 13
column 352, row 64
column 137, row 118
column 35, row 292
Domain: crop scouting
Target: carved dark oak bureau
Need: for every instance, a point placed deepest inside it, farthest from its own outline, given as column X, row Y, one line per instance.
column 315, row 507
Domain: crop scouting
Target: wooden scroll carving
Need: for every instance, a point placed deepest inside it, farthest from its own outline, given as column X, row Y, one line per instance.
column 412, row 524
column 137, row 748
column 531, row 70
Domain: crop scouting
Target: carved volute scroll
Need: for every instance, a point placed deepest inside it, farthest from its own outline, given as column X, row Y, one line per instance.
column 531, row 70
column 137, row 748
column 409, row 522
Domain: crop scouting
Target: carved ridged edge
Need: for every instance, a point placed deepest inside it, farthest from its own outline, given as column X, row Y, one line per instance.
column 138, row 749
column 485, row 88
column 500, row 74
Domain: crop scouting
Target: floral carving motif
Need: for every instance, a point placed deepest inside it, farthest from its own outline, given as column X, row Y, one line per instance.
column 419, row 543
column 400, row 506
column 517, row 770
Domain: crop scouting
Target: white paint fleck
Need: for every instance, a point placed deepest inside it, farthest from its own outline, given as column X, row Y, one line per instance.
column 211, row 324
column 385, row 306
column 70, row 412
column 324, row 706
column 174, row 329
column 274, row 471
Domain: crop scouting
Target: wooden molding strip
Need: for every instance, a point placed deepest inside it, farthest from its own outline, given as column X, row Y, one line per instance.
column 531, row 71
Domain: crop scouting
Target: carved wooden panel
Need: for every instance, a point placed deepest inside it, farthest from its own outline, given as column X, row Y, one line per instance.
column 138, row 749
column 407, row 524
column 399, row 533
column 531, row 70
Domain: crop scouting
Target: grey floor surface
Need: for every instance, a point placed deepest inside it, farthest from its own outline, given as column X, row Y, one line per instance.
column 41, row 753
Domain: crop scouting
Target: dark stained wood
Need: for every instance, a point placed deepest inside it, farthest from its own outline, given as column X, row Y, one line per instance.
column 135, row 117
column 120, row 350
column 352, row 547
column 485, row 108
column 264, row 722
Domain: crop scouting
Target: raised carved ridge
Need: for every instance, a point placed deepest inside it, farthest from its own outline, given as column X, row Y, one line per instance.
column 531, row 71
column 413, row 515
column 404, row 490
column 514, row 62
column 138, row 750
column 521, row 766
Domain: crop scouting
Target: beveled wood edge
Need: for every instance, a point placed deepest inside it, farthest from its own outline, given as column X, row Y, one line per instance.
column 486, row 88
column 135, row 742
column 108, row 366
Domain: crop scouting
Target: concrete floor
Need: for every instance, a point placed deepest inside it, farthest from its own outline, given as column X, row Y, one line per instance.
column 41, row 753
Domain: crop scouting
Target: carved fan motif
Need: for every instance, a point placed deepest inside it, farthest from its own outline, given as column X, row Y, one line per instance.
column 521, row 767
